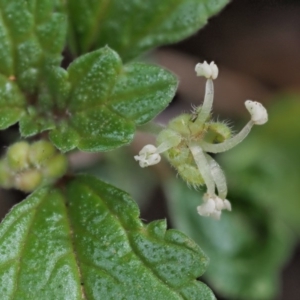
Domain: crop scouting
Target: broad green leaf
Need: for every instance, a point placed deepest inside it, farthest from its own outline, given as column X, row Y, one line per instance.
column 134, row 26
column 266, row 165
column 247, row 247
column 103, row 100
column 87, row 242
column 32, row 36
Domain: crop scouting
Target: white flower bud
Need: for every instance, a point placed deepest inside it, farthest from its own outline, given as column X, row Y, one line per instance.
column 227, row 205
column 203, row 69
column 207, row 208
column 148, row 149
column 259, row 114
column 213, row 206
column 214, row 70
column 209, row 71
column 148, row 156
column 219, row 203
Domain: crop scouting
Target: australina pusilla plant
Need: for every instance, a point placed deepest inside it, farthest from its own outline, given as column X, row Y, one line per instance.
column 70, row 80
column 188, row 138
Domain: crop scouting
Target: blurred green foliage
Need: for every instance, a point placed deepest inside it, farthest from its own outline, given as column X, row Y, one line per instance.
column 249, row 246
column 266, row 166
column 135, row 26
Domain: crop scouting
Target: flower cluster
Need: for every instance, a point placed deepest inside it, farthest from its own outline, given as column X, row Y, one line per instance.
column 213, row 206
column 28, row 166
column 207, row 70
column 148, row 156
column 188, row 139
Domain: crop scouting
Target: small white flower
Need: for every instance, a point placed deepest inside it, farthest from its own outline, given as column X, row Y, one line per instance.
column 219, row 203
column 148, row 156
column 259, row 114
column 214, row 70
column 207, row 70
column 213, row 206
column 207, row 208
column 203, row 69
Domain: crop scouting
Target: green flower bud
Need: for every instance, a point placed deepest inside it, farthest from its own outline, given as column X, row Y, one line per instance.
column 40, row 152
column 190, row 174
column 217, row 133
column 189, row 138
column 178, row 155
column 55, row 167
column 168, row 136
column 28, row 181
column 179, row 124
column 17, row 156
column 186, row 127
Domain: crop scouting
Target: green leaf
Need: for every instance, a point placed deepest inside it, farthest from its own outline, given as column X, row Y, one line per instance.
column 247, row 247
column 104, row 101
column 135, row 26
column 32, row 36
column 11, row 103
column 86, row 241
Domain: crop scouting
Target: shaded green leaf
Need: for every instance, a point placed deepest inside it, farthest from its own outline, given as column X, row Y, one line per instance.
column 33, row 122
column 86, row 241
column 134, row 26
column 11, row 102
column 104, row 101
column 247, row 247
column 32, row 36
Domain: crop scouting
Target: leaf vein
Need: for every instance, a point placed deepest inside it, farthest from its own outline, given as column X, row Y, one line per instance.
column 54, row 266
column 101, row 270
column 136, row 253
column 71, row 230
column 22, row 247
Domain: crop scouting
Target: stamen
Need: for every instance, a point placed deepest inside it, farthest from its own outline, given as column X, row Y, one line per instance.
column 203, row 167
column 207, row 70
column 259, row 114
column 218, row 176
column 205, row 109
